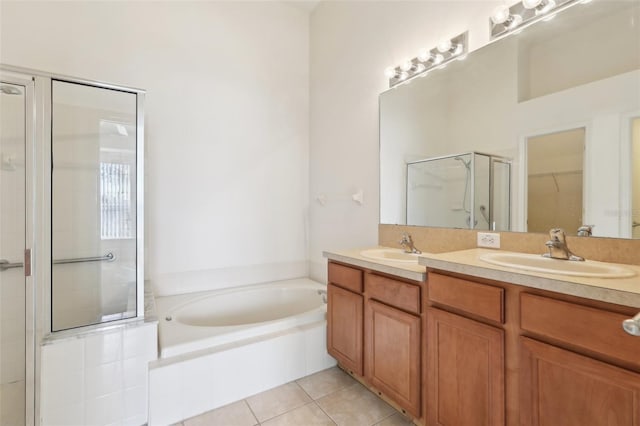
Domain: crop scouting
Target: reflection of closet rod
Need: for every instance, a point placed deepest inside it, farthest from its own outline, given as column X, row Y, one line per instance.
column 570, row 172
column 109, row 257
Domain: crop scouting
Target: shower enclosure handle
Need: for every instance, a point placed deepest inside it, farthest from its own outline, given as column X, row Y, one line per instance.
column 109, row 257
column 5, row 264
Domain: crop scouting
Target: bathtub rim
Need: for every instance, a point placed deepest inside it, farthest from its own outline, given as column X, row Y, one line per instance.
column 172, row 346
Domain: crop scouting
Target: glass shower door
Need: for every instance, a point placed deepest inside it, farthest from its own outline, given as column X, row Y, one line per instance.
column 94, row 202
column 13, row 125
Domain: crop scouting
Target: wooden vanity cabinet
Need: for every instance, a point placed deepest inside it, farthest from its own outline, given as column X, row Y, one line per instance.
column 513, row 355
column 393, row 340
column 465, row 355
column 560, row 387
column 345, row 317
column 374, row 330
column 572, row 365
column 466, row 351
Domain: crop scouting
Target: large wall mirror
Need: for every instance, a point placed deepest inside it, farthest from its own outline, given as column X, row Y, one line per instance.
column 537, row 130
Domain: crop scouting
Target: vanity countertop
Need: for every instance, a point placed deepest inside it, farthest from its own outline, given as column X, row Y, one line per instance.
column 410, row 271
column 622, row 291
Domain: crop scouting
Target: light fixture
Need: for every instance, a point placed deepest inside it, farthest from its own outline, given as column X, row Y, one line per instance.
column 406, row 65
column 390, row 72
column 506, row 19
column 446, row 45
column 500, row 15
column 530, row 4
column 428, row 59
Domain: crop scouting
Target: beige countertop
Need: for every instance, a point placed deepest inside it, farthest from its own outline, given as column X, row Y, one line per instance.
column 410, row 271
column 622, row 291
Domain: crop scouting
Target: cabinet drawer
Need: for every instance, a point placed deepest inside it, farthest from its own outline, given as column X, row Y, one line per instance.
column 580, row 326
column 392, row 292
column 477, row 299
column 345, row 277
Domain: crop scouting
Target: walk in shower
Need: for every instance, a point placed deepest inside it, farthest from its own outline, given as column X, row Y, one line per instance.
column 470, row 190
column 71, row 212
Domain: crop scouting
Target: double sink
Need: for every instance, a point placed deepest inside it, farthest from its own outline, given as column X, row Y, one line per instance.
column 520, row 261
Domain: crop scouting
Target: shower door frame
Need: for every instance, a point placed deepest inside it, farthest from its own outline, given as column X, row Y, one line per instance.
column 38, row 213
column 31, row 136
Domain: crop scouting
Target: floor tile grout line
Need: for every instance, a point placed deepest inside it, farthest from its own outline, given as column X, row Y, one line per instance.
column 325, row 413
column 293, row 408
column 251, row 410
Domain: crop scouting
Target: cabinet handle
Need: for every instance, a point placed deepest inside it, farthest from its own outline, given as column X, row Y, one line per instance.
column 632, row 325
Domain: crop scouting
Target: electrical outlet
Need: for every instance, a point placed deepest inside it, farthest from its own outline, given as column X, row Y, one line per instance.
column 488, row 239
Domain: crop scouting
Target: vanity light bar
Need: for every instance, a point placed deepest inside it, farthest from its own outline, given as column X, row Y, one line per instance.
column 506, row 19
column 445, row 51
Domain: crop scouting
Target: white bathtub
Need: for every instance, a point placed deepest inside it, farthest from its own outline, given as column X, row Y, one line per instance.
column 199, row 321
column 225, row 345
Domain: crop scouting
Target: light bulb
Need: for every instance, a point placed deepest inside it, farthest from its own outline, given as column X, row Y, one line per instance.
column 530, row 4
column 424, row 55
column 406, row 65
column 514, row 21
column 390, row 72
column 500, row 15
column 549, row 4
column 403, row 76
column 438, row 58
column 444, row 45
column 420, row 68
column 457, row 49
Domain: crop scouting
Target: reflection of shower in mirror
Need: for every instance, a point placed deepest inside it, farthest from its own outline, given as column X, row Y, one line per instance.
column 469, row 190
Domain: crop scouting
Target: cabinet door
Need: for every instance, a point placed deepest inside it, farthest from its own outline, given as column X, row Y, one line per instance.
column 344, row 327
column 562, row 388
column 465, row 371
column 392, row 355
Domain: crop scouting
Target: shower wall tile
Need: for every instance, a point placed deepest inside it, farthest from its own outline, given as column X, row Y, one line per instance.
column 100, row 378
column 105, row 410
column 135, row 403
column 103, row 379
column 103, row 348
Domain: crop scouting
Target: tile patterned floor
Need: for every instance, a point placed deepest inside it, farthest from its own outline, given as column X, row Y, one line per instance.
column 330, row 397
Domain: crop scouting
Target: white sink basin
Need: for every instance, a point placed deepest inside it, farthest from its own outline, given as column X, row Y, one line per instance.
column 392, row 255
column 537, row 263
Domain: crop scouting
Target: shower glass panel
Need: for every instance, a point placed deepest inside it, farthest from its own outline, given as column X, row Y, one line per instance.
column 459, row 191
column 13, row 106
column 501, row 218
column 481, row 194
column 93, row 205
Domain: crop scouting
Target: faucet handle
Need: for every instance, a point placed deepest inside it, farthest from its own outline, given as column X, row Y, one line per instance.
column 557, row 234
column 585, row 230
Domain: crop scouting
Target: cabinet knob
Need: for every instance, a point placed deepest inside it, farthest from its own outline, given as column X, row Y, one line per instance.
column 632, row 325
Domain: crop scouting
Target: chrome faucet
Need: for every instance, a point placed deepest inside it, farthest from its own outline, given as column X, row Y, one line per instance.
column 585, row 230
column 557, row 246
column 407, row 243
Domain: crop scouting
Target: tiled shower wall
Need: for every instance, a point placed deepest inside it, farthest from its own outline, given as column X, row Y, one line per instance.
column 99, row 378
